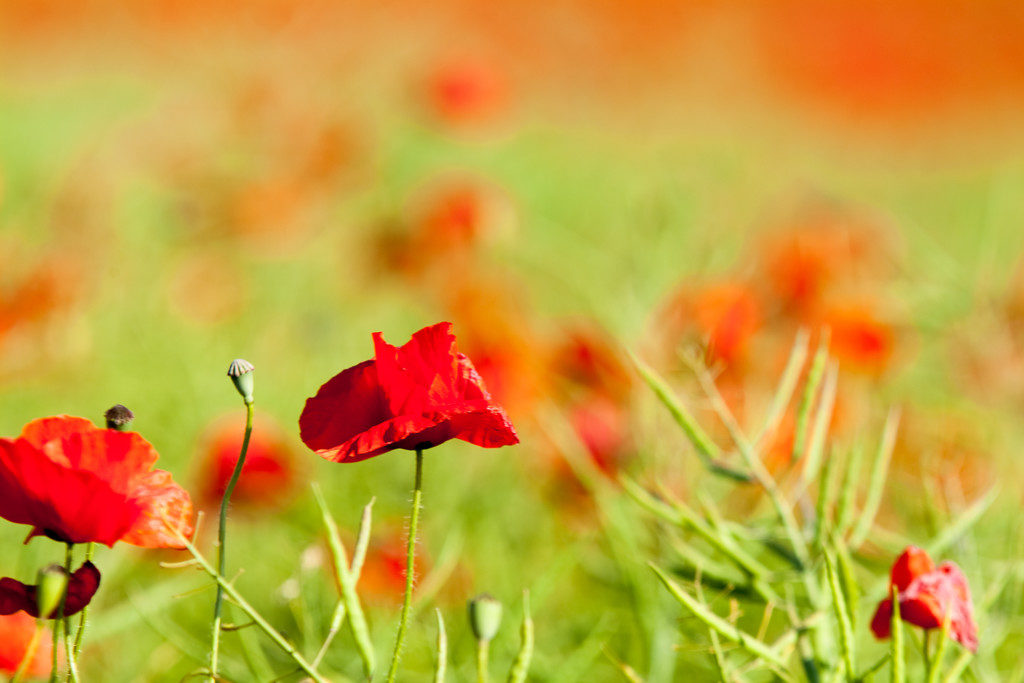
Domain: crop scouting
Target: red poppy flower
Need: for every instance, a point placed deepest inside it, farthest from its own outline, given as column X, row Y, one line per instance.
column 466, row 91
column 77, row 483
column 927, row 594
column 83, row 583
column 16, row 633
column 413, row 396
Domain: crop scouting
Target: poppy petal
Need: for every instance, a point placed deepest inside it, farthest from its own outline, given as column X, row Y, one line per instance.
column 881, row 623
column 163, row 503
column 913, row 563
column 83, row 583
column 349, row 403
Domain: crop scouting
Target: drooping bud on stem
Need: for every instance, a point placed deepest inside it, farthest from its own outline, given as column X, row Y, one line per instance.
column 484, row 616
column 119, row 417
column 51, row 584
column 240, row 372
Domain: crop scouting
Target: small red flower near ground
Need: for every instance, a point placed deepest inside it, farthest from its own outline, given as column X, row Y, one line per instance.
column 16, row 632
column 83, row 583
column 77, row 483
column 413, row 396
column 927, row 594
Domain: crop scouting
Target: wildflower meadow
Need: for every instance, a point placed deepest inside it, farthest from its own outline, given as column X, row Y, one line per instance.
column 461, row 341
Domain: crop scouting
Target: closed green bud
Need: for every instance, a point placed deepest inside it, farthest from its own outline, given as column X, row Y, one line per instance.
column 484, row 616
column 240, row 372
column 119, row 417
column 51, row 584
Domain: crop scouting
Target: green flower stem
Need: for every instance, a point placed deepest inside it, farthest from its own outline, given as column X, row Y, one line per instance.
column 940, row 650
column 521, row 664
column 89, row 548
column 218, row 604
column 244, row 605
column 442, row 649
column 410, row 562
column 899, row 666
column 72, row 673
column 30, row 652
column 483, row 649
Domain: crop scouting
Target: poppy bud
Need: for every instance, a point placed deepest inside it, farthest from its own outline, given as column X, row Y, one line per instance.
column 51, row 585
column 119, row 417
column 484, row 616
column 240, row 372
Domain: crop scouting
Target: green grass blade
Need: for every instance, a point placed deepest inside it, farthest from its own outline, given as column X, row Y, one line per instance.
column 442, row 649
column 786, row 387
column 521, row 664
column 721, row 626
column 842, row 613
column 876, row 484
column 803, row 413
column 961, row 524
column 899, row 663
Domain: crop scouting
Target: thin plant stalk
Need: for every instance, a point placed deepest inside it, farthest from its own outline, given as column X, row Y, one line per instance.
column 346, row 576
column 410, row 566
column 940, row 651
column 30, row 652
column 243, row 604
column 483, row 650
column 521, row 664
column 218, row 604
column 442, row 649
column 89, row 548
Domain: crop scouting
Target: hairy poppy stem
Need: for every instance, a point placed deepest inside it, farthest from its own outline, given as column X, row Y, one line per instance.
column 218, row 604
column 410, row 561
column 62, row 622
column 85, row 610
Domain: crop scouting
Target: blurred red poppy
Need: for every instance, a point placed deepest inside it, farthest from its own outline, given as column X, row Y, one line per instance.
column 16, row 596
column 927, row 594
column 16, row 635
column 77, row 483
column 728, row 316
column 413, row 396
column 859, row 339
column 466, row 91
column 268, row 476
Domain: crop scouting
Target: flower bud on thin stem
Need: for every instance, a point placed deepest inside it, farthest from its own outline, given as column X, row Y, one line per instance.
column 119, row 417
column 484, row 616
column 51, row 584
column 240, row 372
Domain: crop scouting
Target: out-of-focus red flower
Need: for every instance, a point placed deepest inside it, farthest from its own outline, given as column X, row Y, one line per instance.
column 83, row 583
column 859, row 339
column 77, row 483
column 448, row 219
column 16, row 635
column 727, row 315
column 822, row 249
column 928, row 595
column 413, row 396
column 466, row 91
column 383, row 577
column 587, row 359
column 268, row 476
column 603, row 426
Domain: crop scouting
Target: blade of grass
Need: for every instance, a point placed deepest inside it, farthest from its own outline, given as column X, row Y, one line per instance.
column 876, row 484
column 521, row 664
column 961, row 524
column 786, row 387
column 811, row 386
column 935, row 665
column 822, row 421
column 721, row 626
column 842, row 613
column 442, row 649
column 899, row 664
column 347, row 585
column 716, row 646
column 848, row 492
column 706, row 449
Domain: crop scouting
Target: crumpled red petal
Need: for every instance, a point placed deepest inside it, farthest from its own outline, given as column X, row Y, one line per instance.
column 83, row 583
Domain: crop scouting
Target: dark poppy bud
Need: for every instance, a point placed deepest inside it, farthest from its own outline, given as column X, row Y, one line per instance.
column 484, row 616
column 240, row 372
column 51, row 584
column 119, row 417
